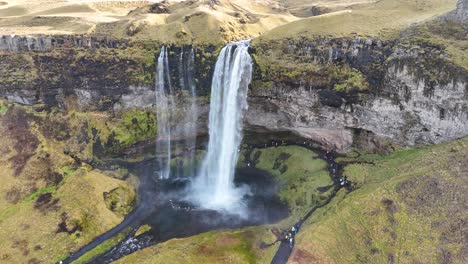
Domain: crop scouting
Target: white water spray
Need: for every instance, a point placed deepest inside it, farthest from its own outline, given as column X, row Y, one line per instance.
column 214, row 187
column 163, row 91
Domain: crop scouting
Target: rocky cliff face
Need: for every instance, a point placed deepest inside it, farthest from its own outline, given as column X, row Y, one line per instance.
column 44, row 43
column 99, row 73
column 407, row 91
column 461, row 13
column 335, row 91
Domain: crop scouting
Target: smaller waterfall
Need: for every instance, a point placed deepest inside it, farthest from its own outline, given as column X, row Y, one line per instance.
column 187, row 107
column 163, row 89
column 191, row 114
column 176, row 118
column 214, row 187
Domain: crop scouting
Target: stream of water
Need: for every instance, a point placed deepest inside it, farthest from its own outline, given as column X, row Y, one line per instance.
column 164, row 104
column 216, row 199
column 214, row 186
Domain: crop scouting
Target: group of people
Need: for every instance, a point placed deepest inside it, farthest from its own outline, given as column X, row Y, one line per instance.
column 343, row 181
column 290, row 234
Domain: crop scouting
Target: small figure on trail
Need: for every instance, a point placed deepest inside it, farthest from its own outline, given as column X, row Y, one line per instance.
column 291, row 242
column 293, row 230
column 296, row 226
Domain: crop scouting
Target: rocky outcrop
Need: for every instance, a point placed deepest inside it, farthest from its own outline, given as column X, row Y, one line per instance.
column 461, row 13
column 415, row 93
column 335, row 91
column 406, row 115
column 98, row 73
column 43, row 43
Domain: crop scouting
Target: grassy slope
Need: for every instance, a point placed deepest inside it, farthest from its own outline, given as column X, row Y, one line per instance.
column 199, row 22
column 409, row 208
column 450, row 36
column 240, row 246
column 42, row 188
column 172, row 22
column 381, row 19
column 29, row 232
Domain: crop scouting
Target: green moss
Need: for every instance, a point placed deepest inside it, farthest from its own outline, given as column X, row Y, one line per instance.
column 347, row 79
column 34, row 195
column 245, row 248
column 400, row 211
column 135, row 126
column 222, row 246
column 67, row 170
column 3, row 108
column 277, row 66
column 142, row 229
column 439, row 37
column 28, row 199
column 120, row 200
column 299, row 171
column 183, row 164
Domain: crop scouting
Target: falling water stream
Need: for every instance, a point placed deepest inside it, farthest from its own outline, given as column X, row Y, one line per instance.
column 214, row 186
column 163, row 114
column 187, row 84
column 167, row 111
column 215, row 199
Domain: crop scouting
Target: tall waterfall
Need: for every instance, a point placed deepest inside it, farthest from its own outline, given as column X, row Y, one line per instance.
column 214, row 187
column 166, row 112
column 164, row 103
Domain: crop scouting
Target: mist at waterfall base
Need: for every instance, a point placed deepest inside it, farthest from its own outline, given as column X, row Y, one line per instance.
column 214, row 188
column 198, row 194
column 210, row 185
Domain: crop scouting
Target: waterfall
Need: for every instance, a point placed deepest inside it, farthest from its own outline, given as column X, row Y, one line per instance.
column 187, row 85
column 163, row 89
column 191, row 116
column 166, row 112
column 214, row 187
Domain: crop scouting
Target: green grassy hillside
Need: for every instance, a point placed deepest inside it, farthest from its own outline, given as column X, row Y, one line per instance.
column 410, row 208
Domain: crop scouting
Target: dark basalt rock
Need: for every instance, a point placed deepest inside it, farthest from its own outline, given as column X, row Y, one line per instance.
column 330, row 98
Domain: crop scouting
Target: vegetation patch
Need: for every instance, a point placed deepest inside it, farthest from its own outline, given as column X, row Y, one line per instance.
column 55, row 222
column 239, row 246
column 403, row 211
column 134, row 126
column 120, row 200
column 300, row 174
column 346, row 79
